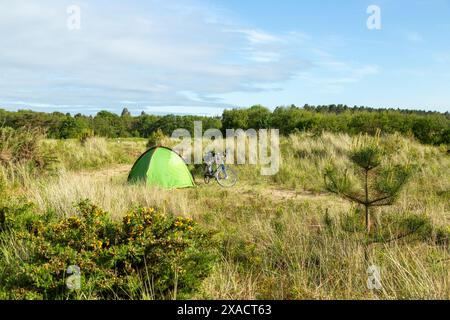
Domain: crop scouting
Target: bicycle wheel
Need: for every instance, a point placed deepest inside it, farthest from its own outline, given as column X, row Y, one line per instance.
column 226, row 181
column 206, row 174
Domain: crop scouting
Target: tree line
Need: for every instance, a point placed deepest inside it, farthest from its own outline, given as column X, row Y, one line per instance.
column 426, row 126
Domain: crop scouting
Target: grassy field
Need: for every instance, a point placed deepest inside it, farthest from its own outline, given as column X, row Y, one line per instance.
column 278, row 237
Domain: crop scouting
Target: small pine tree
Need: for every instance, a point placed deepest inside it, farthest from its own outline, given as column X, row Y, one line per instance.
column 378, row 181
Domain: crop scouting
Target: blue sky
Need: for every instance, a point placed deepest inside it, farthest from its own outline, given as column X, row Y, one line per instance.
column 201, row 56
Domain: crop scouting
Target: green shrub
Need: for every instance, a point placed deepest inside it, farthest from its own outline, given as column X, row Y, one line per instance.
column 22, row 147
column 156, row 138
column 377, row 181
column 442, row 236
column 410, row 227
column 353, row 221
column 85, row 135
column 15, row 211
column 147, row 255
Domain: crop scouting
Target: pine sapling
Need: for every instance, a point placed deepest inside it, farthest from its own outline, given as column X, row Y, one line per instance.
column 378, row 181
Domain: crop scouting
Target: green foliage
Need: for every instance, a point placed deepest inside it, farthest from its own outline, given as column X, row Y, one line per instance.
column 427, row 127
column 108, row 124
column 146, row 255
column 156, row 139
column 442, row 236
column 367, row 157
column 410, row 227
column 392, row 178
column 15, row 211
column 235, row 119
column 22, row 147
column 380, row 180
column 352, row 222
column 72, row 127
column 18, row 145
column 337, row 181
column 292, row 119
column 259, row 117
column 93, row 152
column 85, row 135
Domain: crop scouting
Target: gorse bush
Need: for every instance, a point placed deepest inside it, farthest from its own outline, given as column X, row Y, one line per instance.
column 146, row 255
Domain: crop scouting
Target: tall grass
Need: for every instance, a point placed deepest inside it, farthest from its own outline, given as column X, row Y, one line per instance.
column 95, row 152
column 290, row 257
column 21, row 157
column 109, row 191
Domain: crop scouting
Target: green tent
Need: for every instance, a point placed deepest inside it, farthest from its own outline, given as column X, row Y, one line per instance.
column 161, row 167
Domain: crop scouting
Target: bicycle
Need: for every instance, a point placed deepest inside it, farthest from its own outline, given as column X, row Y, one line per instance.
column 223, row 174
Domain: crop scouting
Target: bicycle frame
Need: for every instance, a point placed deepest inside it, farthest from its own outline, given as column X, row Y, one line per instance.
column 214, row 172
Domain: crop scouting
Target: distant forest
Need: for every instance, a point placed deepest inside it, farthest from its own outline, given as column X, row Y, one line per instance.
column 427, row 127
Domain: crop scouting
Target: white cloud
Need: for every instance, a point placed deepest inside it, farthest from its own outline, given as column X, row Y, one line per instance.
column 261, row 56
column 259, row 37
